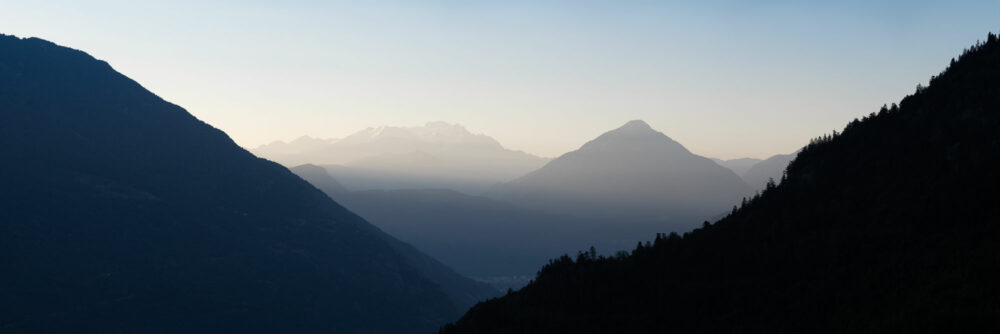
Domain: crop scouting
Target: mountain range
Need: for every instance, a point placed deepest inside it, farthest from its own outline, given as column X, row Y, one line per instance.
column 122, row 213
column 436, row 155
column 674, row 189
column 738, row 166
column 755, row 172
column 472, row 234
column 772, row 168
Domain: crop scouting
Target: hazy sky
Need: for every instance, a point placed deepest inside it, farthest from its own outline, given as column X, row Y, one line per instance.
column 725, row 78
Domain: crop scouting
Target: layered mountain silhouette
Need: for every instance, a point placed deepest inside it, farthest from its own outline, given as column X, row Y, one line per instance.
column 321, row 179
column 631, row 172
column 464, row 291
column 773, row 168
column 123, row 213
column 437, row 155
column 615, row 191
column 738, row 166
column 889, row 226
column 474, row 234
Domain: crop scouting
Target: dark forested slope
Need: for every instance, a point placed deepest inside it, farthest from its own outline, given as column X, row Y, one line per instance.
column 889, row 226
column 122, row 213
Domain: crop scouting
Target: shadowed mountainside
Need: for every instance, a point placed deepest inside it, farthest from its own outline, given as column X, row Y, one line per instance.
column 121, row 212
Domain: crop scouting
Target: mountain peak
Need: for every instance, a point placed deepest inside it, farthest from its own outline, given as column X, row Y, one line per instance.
column 636, row 124
column 634, row 128
column 442, row 124
column 630, row 137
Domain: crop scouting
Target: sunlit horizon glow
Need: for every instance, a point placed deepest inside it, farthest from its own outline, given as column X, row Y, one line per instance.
column 726, row 79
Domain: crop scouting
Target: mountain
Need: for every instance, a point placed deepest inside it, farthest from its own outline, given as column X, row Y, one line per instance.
column 889, row 226
column 772, row 168
column 464, row 291
column 360, row 178
column 321, row 179
column 437, row 154
column 123, row 213
column 292, row 151
column 474, row 234
column 738, row 166
column 630, row 172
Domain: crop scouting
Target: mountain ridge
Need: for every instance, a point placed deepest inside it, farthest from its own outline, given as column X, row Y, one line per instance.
column 125, row 213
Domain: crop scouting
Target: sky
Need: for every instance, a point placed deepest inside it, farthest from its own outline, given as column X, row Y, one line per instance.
column 727, row 79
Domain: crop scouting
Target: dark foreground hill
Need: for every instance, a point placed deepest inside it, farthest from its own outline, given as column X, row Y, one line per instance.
column 122, row 213
column 890, row 226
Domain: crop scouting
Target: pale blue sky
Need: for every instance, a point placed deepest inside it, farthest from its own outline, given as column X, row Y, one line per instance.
column 725, row 78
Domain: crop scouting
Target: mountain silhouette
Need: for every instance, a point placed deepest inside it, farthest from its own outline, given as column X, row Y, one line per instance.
column 436, row 155
column 123, row 213
column 320, row 178
column 474, row 234
column 738, row 166
column 772, row 168
column 464, row 291
column 633, row 172
column 889, row 226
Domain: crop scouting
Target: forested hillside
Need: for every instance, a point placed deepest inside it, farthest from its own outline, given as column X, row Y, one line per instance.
column 890, row 225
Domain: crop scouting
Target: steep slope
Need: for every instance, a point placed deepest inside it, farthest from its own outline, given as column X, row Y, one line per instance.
column 738, row 166
column 321, row 179
column 772, row 168
column 632, row 172
column 890, row 226
column 292, row 153
column 465, row 292
column 437, row 154
column 122, row 213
